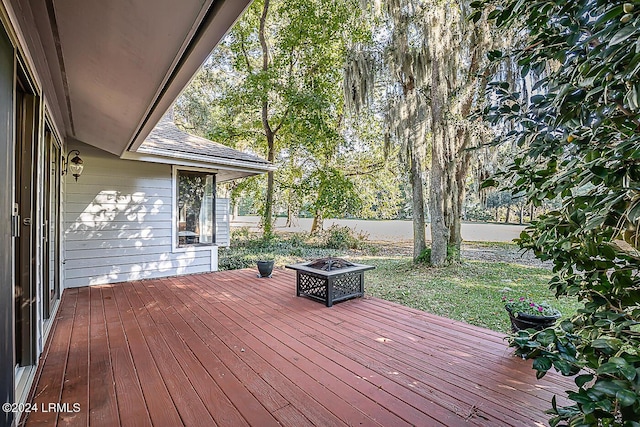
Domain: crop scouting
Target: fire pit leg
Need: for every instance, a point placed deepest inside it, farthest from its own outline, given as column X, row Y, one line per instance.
column 329, row 301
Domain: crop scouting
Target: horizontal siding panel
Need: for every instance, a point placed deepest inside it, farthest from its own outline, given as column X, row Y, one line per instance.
column 119, row 252
column 118, row 243
column 117, row 225
column 94, row 191
column 114, row 252
column 96, row 207
column 116, row 278
column 144, row 234
column 134, row 270
column 222, row 222
column 162, row 260
column 75, row 219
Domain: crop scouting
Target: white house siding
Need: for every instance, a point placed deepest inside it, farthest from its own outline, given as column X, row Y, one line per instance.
column 222, row 222
column 117, row 224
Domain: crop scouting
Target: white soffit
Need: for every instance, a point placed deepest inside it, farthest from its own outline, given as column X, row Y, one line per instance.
column 121, row 63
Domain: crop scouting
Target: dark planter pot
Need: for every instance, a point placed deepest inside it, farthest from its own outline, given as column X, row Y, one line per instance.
column 526, row 321
column 265, row 268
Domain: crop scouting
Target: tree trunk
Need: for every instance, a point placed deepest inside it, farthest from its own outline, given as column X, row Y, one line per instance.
column 267, row 214
column 317, row 223
column 419, row 237
column 461, row 169
column 506, row 220
column 521, row 219
column 437, row 207
column 438, row 200
column 289, row 215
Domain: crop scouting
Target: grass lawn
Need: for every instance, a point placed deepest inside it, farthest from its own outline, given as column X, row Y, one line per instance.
column 470, row 292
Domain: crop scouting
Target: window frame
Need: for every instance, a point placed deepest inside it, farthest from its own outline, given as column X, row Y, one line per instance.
column 175, row 217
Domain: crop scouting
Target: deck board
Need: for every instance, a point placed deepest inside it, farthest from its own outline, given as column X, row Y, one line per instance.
column 231, row 349
column 76, row 384
column 51, row 375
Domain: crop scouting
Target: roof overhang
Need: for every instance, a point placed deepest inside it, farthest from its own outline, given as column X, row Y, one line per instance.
column 111, row 69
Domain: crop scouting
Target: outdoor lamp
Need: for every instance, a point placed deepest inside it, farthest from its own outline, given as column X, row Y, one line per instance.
column 75, row 165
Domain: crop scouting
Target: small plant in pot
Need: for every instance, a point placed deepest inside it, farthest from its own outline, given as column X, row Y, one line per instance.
column 265, row 268
column 525, row 313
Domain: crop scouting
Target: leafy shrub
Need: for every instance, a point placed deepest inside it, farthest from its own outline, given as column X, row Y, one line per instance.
column 579, row 143
column 246, row 248
column 337, row 237
column 478, row 213
column 297, row 239
column 240, row 235
column 424, row 257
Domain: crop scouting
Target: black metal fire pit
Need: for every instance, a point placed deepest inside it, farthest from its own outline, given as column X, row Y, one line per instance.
column 330, row 280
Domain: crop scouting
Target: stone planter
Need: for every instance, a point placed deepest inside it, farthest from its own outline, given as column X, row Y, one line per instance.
column 527, row 321
column 265, row 268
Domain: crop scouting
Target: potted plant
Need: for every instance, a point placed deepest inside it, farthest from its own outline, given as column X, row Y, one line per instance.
column 265, row 268
column 525, row 313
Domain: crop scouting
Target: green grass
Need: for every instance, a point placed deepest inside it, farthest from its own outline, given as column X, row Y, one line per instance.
column 469, row 292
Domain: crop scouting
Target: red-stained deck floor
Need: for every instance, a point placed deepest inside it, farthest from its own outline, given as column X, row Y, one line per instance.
column 231, row 349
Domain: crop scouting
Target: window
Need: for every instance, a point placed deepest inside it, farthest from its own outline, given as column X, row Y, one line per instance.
column 196, row 208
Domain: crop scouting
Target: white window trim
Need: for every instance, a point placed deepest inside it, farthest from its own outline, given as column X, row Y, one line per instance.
column 174, row 216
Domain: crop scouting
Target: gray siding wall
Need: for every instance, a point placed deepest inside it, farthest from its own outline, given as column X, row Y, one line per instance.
column 118, row 225
column 222, row 222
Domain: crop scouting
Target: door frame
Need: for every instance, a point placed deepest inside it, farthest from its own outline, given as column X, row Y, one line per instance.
column 51, row 253
column 27, row 161
column 7, row 222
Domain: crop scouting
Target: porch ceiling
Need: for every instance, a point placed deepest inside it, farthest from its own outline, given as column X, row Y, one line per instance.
column 116, row 66
column 229, row 348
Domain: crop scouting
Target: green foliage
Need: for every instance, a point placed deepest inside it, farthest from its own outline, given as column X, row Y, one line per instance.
column 424, row 257
column 478, row 213
column 247, row 248
column 336, row 196
column 580, row 144
column 528, row 306
column 337, row 237
column 302, row 89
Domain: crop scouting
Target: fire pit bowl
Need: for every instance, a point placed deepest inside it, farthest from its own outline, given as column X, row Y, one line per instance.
column 330, row 279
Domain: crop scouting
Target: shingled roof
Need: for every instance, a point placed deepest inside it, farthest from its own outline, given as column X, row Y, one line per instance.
column 167, row 140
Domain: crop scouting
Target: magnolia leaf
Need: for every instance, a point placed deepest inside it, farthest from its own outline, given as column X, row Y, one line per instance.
column 626, row 397
column 581, row 380
column 609, row 388
column 542, row 364
column 563, row 366
column 622, row 35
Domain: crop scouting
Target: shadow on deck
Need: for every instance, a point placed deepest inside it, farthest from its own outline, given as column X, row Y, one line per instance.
column 231, row 349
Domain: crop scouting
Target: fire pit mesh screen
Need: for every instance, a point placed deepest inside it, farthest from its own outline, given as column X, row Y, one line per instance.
column 347, row 286
column 313, row 286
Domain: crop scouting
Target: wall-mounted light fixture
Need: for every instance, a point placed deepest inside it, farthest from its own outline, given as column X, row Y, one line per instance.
column 73, row 166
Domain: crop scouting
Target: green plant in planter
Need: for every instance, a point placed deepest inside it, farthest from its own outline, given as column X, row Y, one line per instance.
column 529, row 307
column 525, row 313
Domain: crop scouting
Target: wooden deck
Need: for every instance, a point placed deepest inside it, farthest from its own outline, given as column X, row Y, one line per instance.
column 231, row 349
